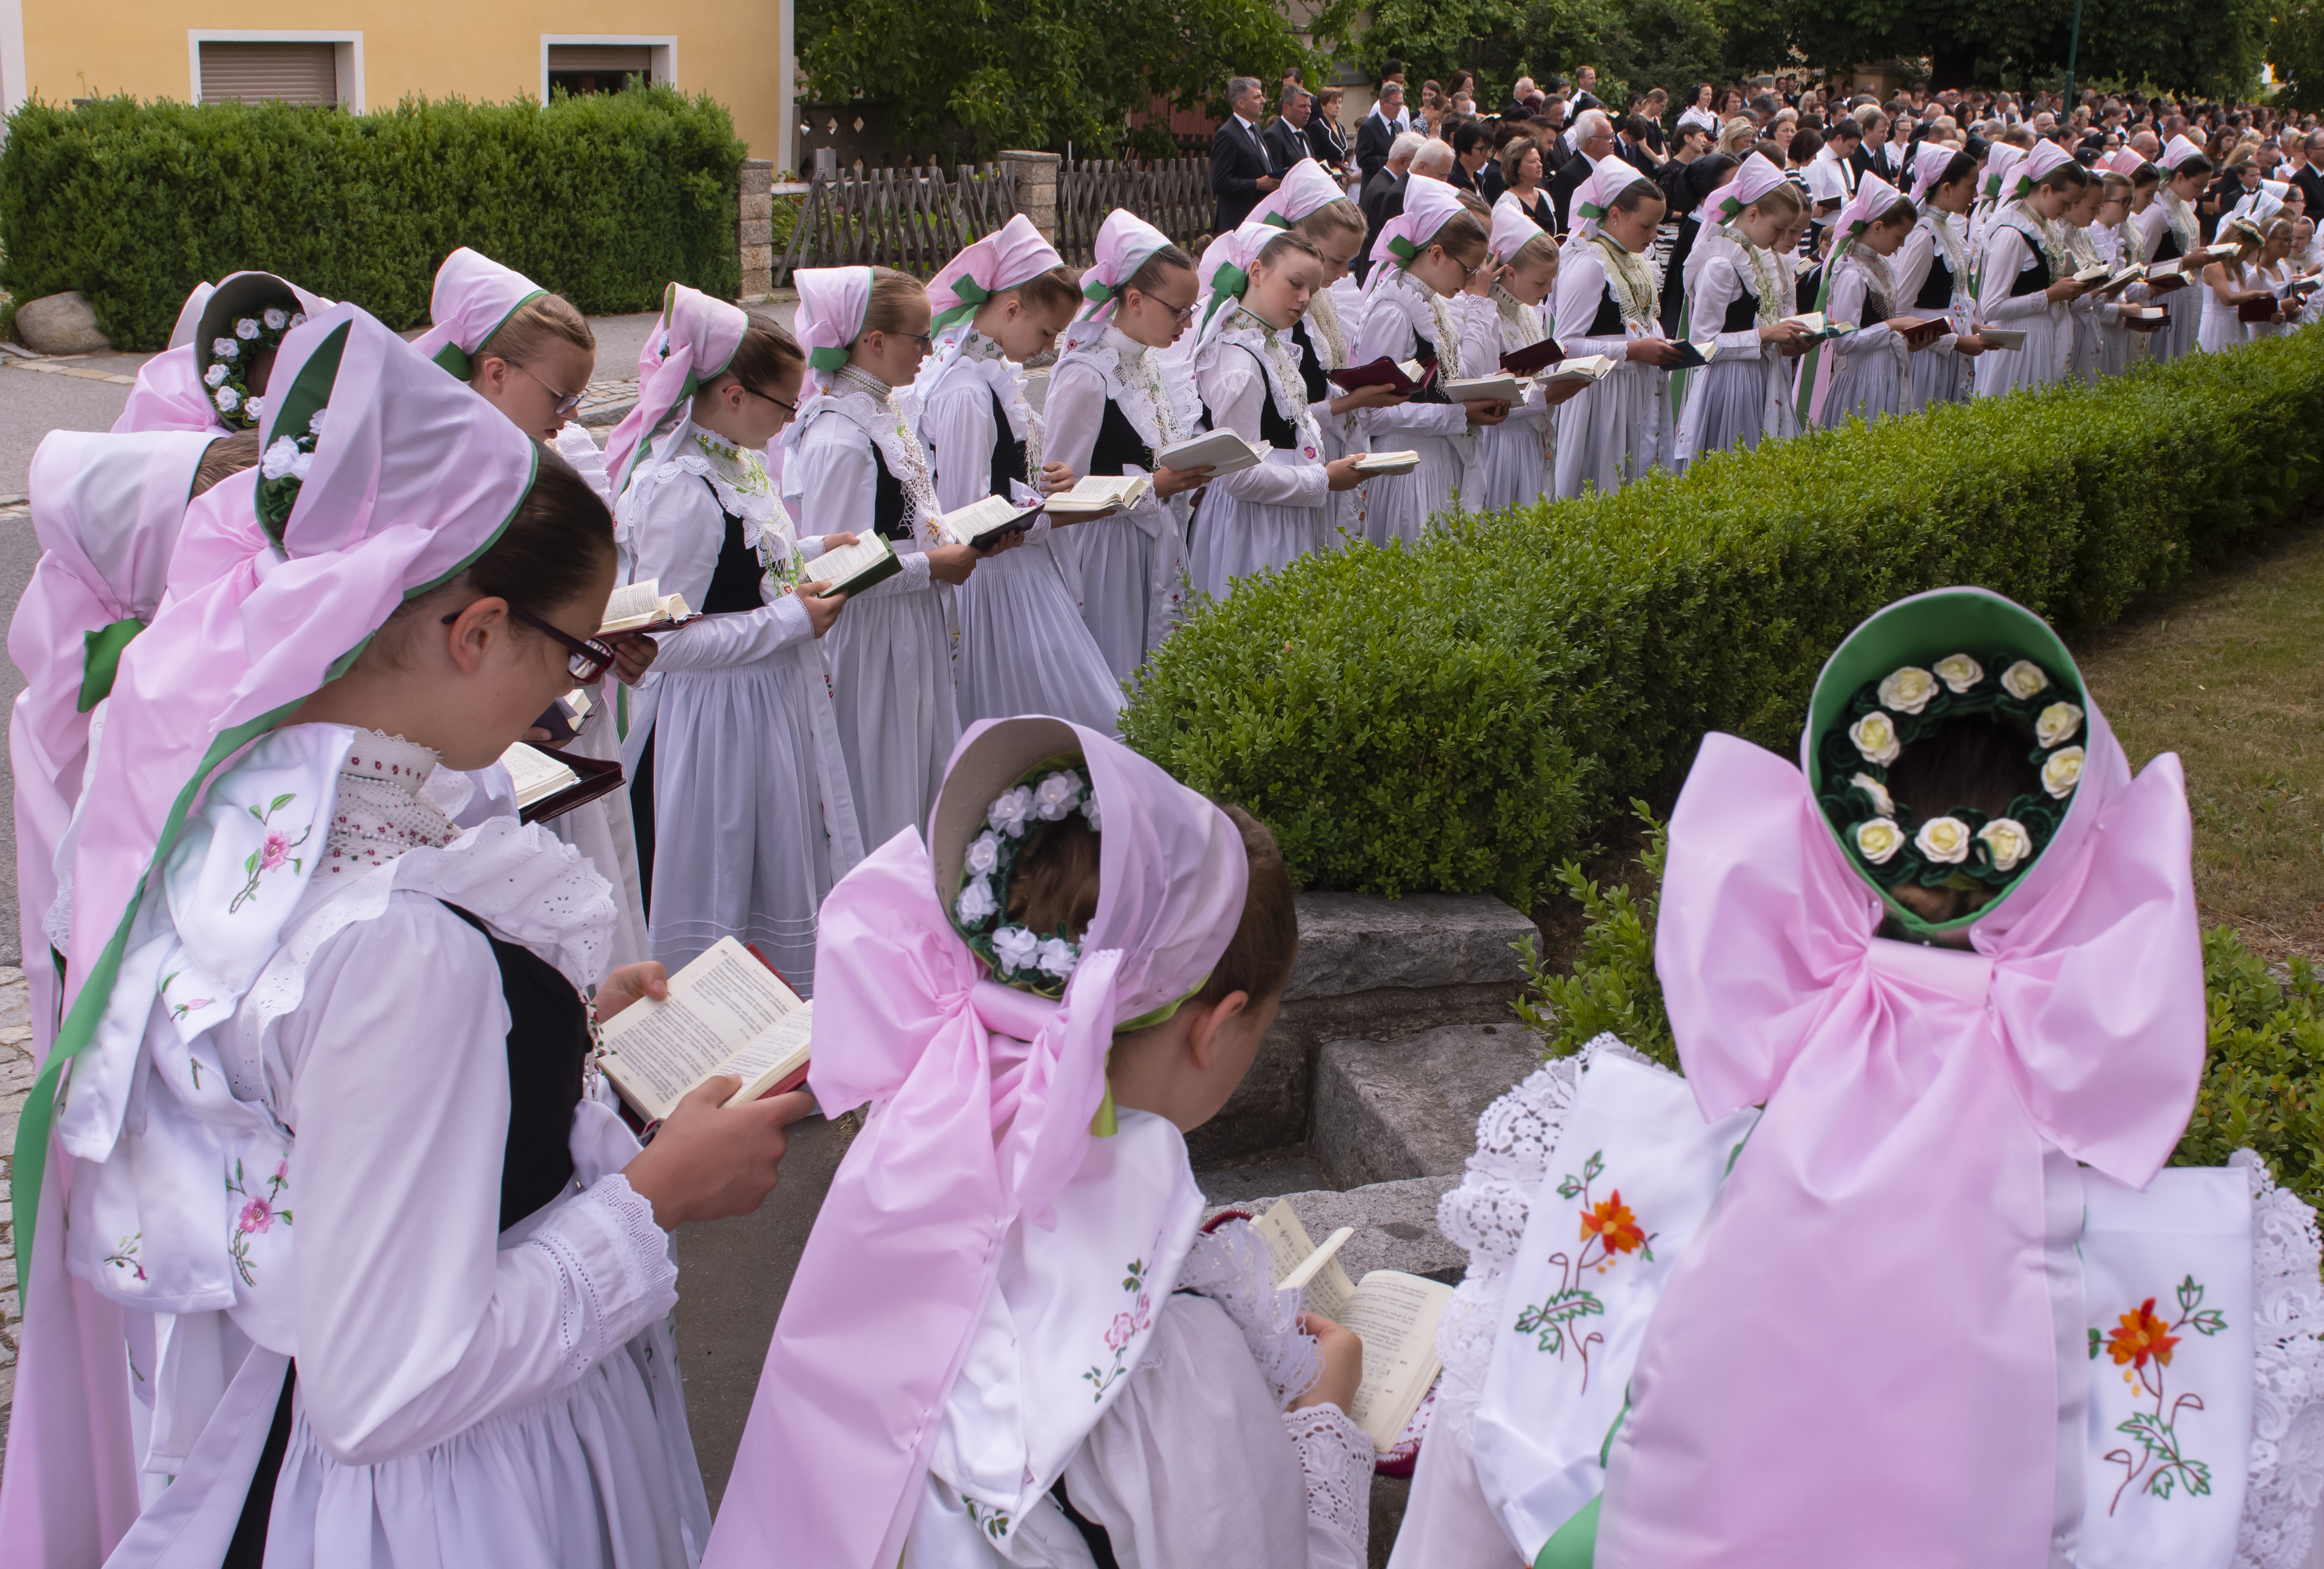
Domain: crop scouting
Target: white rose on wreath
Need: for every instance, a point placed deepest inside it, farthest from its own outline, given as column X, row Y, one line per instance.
column 976, row 902
column 1878, row 840
column 226, row 398
column 1875, row 735
column 1015, row 948
column 2022, row 679
column 315, row 422
column 1009, row 811
column 1943, row 840
column 2006, row 841
column 1958, row 672
column 1054, row 797
column 281, row 459
column 277, row 318
column 983, row 852
column 1882, row 802
column 1907, row 690
column 1057, row 958
column 246, row 329
column 2062, row 770
column 2058, row 723
column 215, row 376
column 225, row 348
column 254, row 407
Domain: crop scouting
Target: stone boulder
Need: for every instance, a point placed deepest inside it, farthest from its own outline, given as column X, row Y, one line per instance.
column 60, row 324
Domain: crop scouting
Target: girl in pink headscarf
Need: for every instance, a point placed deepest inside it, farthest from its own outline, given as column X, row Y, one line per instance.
column 1868, row 368
column 370, row 1253
column 1024, row 647
column 1931, row 270
column 1738, row 298
column 1518, row 453
column 1006, row 1343
column 212, row 376
column 1608, row 303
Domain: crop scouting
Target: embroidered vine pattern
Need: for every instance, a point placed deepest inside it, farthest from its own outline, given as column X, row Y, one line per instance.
column 1609, row 1228
column 1763, row 279
column 124, row 1253
column 1956, row 258
column 992, row 1522
column 1124, row 1329
column 2141, row 1346
column 257, row 1216
column 272, row 854
column 1634, row 283
column 1323, row 316
column 178, row 1011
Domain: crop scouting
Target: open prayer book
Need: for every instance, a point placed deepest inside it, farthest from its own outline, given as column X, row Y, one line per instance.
column 643, row 607
column 2096, row 272
column 2144, row 313
column 548, row 785
column 1395, row 1314
column 2002, row 336
column 2130, row 274
column 1818, row 326
column 1222, row 452
column 1589, row 367
column 1692, row 355
column 1402, row 462
column 852, row 569
column 1095, row 494
column 980, row 524
column 728, row 1012
column 1493, row 388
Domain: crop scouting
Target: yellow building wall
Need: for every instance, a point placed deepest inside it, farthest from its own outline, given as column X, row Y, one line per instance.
column 732, row 50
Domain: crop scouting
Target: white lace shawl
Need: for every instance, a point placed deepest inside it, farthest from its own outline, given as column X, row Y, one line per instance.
column 968, row 352
column 1279, row 359
column 1516, row 1137
column 1325, row 332
column 893, row 429
column 1139, row 382
column 741, row 480
column 1416, row 302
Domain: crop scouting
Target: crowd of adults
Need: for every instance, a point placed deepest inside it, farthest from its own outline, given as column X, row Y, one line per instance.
column 1545, row 138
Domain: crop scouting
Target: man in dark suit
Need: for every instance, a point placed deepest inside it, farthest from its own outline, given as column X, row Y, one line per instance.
column 1286, row 138
column 1383, row 198
column 1240, row 174
column 1378, row 133
column 1593, row 137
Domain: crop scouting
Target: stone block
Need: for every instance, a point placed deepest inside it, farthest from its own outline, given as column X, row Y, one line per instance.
column 1400, row 1109
column 757, row 207
column 758, row 176
column 1361, row 942
column 758, row 258
column 60, row 324
column 755, row 233
column 1395, row 1223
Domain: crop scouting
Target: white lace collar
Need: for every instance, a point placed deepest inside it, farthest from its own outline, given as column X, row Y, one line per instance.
column 1136, row 381
column 969, row 353
column 1278, row 360
column 1939, row 223
column 1412, row 297
column 888, row 417
column 382, row 809
column 1325, row 331
column 1521, row 325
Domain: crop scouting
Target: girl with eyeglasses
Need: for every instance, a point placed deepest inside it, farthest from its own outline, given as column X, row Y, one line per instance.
column 743, row 806
column 1113, row 402
column 529, row 353
column 1610, row 303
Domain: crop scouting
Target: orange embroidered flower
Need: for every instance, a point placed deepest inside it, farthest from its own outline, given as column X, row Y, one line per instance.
column 1612, row 1223
column 2142, row 1335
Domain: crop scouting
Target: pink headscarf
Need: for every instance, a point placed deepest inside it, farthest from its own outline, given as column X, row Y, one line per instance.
column 1928, row 165
column 971, row 1129
column 1873, row 1290
column 1512, row 232
column 412, row 478
column 1754, row 179
column 1429, row 204
column 2180, row 150
column 170, row 394
column 2046, row 157
column 1306, row 186
column 473, row 296
column 1873, row 198
column 1225, row 270
column 832, row 303
column 693, row 345
column 1595, row 196
column 2123, row 161
column 1010, row 255
column 1998, row 165
column 1124, row 242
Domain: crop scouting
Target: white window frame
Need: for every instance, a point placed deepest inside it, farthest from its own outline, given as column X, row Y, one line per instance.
column 661, row 64
column 346, row 54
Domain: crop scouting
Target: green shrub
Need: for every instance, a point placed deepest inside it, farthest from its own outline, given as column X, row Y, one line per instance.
column 604, row 199
column 1450, row 716
column 2264, row 1054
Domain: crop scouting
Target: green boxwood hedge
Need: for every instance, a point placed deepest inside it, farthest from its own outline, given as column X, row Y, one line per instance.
column 1450, row 717
column 604, row 199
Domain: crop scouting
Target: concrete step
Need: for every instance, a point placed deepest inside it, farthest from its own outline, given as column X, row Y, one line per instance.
column 1392, row 1110
column 1394, row 1222
column 1373, row 968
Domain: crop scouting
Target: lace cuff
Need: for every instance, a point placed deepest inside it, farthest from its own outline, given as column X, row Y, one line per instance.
column 1337, row 1457
column 614, row 1265
column 2287, row 1440
column 1233, row 1268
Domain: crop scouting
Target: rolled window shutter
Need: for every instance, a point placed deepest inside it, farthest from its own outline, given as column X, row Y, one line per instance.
column 296, row 73
column 604, row 58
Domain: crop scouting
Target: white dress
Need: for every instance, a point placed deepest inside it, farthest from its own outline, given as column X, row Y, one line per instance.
column 2167, row 214
column 2273, row 279
column 465, row 1397
column 2014, row 246
column 1744, row 395
column 1611, row 433
column 1940, row 374
column 890, row 653
column 1519, row 450
column 1331, row 338
column 1108, row 390
column 2120, row 348
column 1871, row 374
column 754, row 818
column 1404, row 318
column 1024, row 647
column 2221, row 328
column 1261, row 519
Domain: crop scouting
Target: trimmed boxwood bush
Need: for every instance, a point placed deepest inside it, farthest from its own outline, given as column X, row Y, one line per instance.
column 1449, row 716
column 604, row 199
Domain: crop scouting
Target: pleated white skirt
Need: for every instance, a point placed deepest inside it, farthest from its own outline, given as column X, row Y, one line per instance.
column 891, row 676
column 1737, row 402
column 1613, row 432
column 1517, row 458
column 1397, row 506
column 1024, row 647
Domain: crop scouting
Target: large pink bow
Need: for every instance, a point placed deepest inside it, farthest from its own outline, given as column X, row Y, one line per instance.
column 968, row 1131
column 1858, row 1362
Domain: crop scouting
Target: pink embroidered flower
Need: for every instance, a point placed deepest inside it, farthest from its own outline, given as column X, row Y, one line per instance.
column 1124, row 1327
column 277, row 850
column 257, row 1215
column 282, row 1170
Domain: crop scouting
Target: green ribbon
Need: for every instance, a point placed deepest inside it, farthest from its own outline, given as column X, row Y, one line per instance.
column 1590, row 210
column 1099, row 295
column 969, row 294
column 1105, row 1124
column 1681, row 380
column 1227, row 283
column 1815, row 354
column 1730, row 208
column 101, row 659
column 1575, row 1545
column 455, row 359
column 825, row 359
column 1404, row 252
column 1278, row 219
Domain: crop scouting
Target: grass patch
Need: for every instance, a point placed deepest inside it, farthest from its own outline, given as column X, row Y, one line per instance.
column 2228, row 670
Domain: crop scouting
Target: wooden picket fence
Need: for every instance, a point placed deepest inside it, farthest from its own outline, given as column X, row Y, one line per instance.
column 914, row 220
column 1173, row 195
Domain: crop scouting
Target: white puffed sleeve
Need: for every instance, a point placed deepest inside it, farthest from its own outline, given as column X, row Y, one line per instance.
column 2007, row 253
column 1388, row 332
column 956, row 428
column 1716, row 287
column 1580, row 287
column 413, row 1325
column 1233, row 387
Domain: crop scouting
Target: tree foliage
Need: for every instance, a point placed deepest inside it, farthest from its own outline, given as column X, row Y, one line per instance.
column 2209, row 51
column 2295, row 47
column 962, row 74
column 1633, row 43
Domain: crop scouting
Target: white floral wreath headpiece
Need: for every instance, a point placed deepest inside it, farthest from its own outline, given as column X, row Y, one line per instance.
column 1016, row 956
column 226, row 375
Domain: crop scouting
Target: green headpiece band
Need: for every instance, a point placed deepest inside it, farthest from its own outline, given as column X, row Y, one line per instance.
column 970, row 294
column 825, row 359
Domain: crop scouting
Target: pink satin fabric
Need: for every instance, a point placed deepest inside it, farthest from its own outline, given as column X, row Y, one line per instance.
column 1125, row 241
column 1855, row 1364
column 695, row 340
column 971, row 1127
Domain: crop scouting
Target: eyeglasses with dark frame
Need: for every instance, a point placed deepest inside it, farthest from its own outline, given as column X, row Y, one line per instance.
column 565, row 402
column 587, row 660
column 769, row 397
